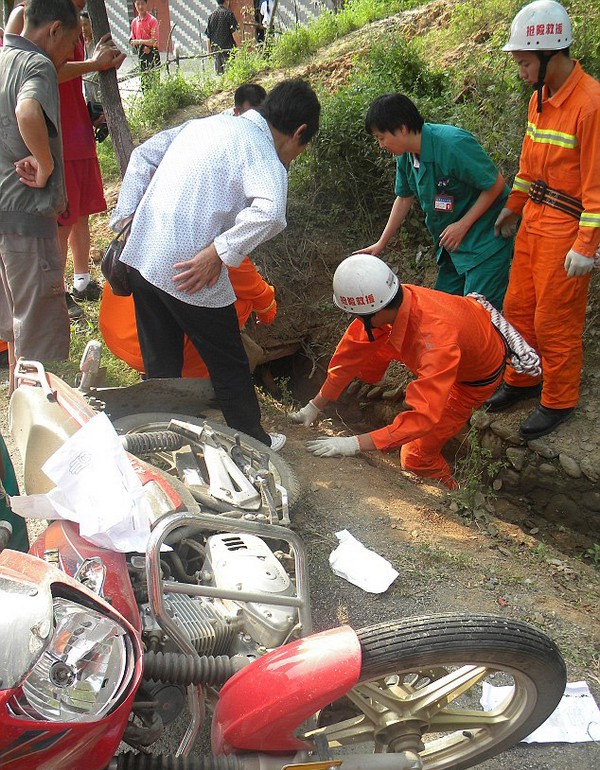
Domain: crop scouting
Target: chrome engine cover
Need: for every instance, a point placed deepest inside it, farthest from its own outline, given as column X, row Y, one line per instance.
column 246, row 563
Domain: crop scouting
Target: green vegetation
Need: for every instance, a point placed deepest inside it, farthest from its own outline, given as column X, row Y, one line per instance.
column 593, row 555
column 295, row 46
column 147, row 112
column 474, row 472
column 116, row 373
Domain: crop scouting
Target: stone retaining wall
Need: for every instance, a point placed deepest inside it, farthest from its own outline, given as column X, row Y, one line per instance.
column 558, row 476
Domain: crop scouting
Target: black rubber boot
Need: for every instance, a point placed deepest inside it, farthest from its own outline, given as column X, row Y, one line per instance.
column 507, row 395
column 543, row 421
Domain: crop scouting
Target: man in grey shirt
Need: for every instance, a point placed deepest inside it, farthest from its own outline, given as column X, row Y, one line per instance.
column 33, row 312
column 204, row 195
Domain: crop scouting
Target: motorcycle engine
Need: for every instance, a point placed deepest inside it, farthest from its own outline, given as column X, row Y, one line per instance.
column 233, row 562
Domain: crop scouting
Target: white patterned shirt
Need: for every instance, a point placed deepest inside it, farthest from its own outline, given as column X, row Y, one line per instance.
column 212, row 180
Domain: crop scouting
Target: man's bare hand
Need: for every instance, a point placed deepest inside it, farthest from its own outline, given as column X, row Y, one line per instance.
column 32, row 173
column 106, row 55
column 199, row 272
column 376, row 250
column 453, row 235
column 506, row 224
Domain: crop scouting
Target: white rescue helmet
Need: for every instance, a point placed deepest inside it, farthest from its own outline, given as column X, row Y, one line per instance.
column 363, row 284
column 543, row 25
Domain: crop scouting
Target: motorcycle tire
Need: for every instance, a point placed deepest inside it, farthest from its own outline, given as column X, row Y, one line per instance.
column 157, row 421
column 412, row 662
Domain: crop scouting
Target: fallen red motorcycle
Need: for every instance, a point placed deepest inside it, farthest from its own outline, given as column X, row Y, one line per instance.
column 101, row 651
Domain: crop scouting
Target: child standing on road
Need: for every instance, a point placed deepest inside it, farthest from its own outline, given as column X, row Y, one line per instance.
column 144, row 38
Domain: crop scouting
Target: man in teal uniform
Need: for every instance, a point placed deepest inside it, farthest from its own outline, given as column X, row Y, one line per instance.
column 460, row 191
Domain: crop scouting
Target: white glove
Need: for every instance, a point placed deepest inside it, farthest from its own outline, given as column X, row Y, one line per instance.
column 342, row 446
column 307, row 415
column 576, row 264
column 506, row 224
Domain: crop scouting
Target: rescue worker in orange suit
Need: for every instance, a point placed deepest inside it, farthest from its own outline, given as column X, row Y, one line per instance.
column 119, row 329
column 448, row 342
column 557, row 193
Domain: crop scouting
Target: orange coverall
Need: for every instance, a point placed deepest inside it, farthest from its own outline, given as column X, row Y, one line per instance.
column 450, row 345
column 562, row 148
column 119, row 330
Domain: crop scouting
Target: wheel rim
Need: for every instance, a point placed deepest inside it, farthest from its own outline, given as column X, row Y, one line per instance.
column 435, row 713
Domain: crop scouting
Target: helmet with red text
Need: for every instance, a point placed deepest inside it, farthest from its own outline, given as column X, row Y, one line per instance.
column 363, row 284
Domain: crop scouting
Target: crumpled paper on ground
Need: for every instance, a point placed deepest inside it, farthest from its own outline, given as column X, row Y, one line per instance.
column 96, row 487
column 576, row 719
column 360, row 566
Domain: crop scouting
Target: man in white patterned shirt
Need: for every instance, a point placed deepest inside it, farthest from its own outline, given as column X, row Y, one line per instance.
column 202, row 196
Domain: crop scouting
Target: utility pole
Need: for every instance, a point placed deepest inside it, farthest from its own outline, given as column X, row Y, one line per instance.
column 118, row 126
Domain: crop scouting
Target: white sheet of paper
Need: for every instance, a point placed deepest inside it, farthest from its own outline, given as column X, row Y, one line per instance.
column 576, row 719
column 97, row 487
column 360, row 566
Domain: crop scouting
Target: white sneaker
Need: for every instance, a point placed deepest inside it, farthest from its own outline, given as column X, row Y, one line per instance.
column 277, row 441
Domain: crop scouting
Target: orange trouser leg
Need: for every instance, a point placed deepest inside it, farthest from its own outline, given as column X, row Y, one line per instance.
column 423, row 456
column 549, row 310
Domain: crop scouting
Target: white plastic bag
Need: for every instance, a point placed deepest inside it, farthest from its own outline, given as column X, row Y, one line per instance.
column 360, row 566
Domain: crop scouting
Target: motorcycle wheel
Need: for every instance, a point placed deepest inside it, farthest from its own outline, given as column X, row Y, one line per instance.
column 157, row 421
column 421, row 682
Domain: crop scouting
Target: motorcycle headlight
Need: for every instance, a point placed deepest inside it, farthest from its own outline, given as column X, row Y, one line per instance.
column 83, row 671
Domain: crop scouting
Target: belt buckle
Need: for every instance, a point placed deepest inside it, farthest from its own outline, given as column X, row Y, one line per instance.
column 538, row 191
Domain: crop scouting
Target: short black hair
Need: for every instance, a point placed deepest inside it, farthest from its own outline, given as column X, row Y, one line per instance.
column 249, row 92
column 390, row 112
column 290, row 104
column 396, row 300
column 38, row 13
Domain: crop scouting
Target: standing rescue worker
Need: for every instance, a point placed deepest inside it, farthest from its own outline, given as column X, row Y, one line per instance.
column 557, row 192
column 449, row 343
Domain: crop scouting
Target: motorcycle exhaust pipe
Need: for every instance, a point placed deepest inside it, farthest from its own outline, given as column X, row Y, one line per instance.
column 131, row 761
column 403, row 760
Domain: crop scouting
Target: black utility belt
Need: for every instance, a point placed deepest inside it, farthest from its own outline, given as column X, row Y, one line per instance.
column 486, row 380
column 539, row 192
column 495, row 374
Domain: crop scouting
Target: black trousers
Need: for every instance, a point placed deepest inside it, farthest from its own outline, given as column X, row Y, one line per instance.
column 149, row 68
column 162, row 321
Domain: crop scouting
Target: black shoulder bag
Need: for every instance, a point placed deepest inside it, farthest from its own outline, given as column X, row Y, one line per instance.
column 115, row 271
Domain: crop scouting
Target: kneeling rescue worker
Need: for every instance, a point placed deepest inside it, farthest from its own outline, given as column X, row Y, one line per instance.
column 448, row 342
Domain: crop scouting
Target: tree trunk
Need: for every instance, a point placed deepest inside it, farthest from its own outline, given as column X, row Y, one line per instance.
column 111, row 98
column 7, row 6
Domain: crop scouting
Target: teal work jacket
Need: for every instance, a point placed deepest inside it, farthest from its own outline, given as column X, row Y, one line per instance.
column 454, row 167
